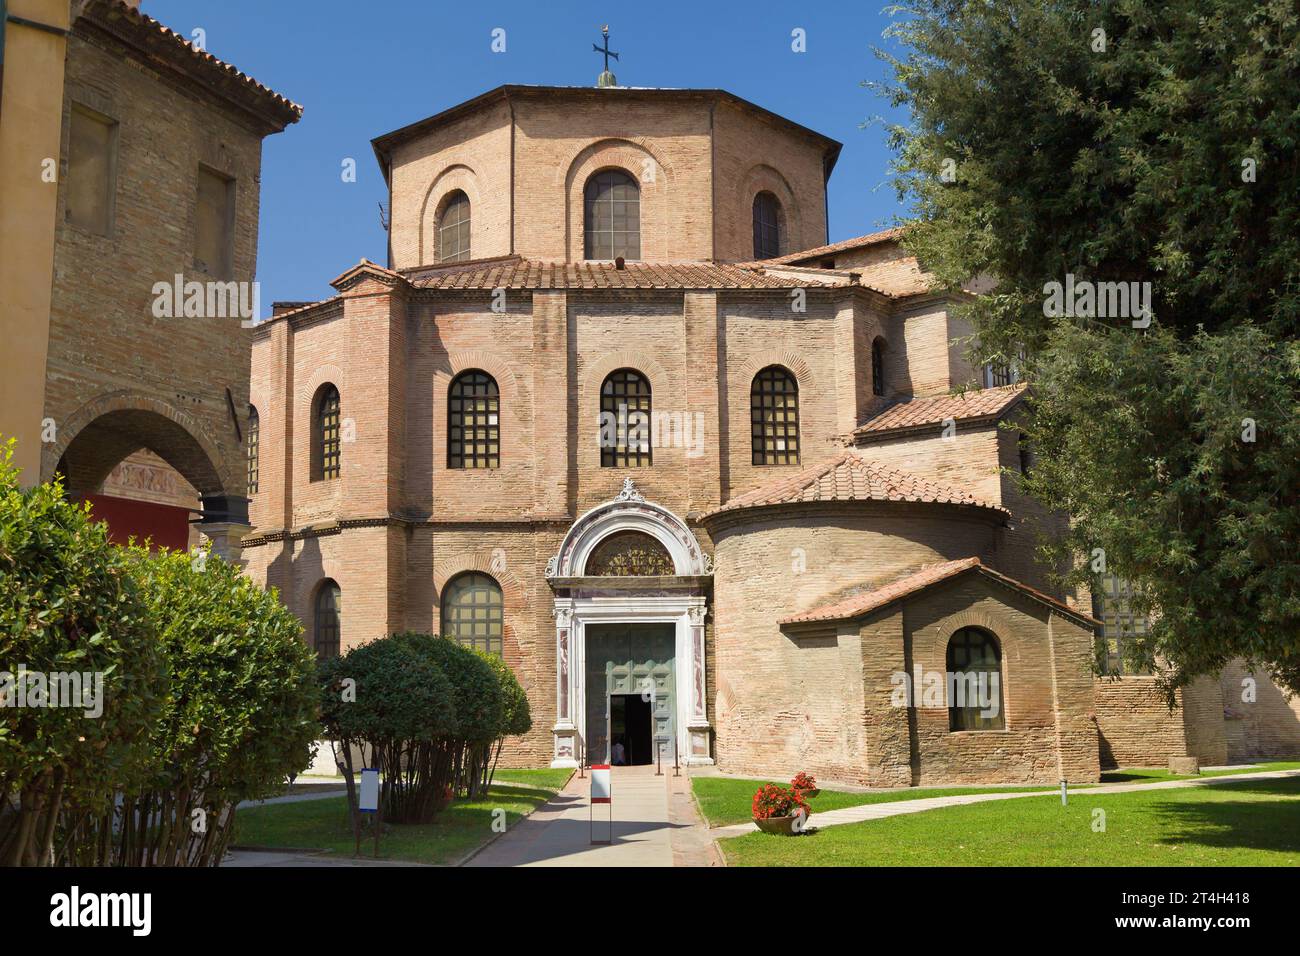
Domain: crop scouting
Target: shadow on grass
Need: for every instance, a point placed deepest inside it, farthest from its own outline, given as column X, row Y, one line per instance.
column 1231, row 824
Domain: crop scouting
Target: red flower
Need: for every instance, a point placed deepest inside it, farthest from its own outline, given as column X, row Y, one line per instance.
column 803, row 782
column 771, row 800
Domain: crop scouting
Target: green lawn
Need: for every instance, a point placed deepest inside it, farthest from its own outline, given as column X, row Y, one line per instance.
column 1243, row 823
column 725, row 801
column 323, row 824
column 1157, row 774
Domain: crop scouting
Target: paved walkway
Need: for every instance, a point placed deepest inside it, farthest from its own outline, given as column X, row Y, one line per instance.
column 654, row 824
column 876, row 811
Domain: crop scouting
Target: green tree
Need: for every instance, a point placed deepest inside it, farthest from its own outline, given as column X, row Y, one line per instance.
column 238, row 719
column 69, row 604
column 1123, row 141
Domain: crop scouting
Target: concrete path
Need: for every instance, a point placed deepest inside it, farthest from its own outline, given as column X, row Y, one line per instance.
column 293, row 798
column 654, row 824
column 876, row 811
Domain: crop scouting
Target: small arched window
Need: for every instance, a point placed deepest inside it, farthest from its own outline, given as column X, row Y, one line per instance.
column 473, row 421
column 473, row 612
column 612, row 216
column 325, row 630
column 878, row 367
column 453, row 228
column 774, row 417
column 767, row 226
column 254, row 435
column 974, row 681
column 625, row 417
column 326, row 440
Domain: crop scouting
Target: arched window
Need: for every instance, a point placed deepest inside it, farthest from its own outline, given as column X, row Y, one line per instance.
column 625, row 420
column 325, row 437
column 325, row 630
column 767, row 226
column 254, row 429
column 629, row 554
column 612, row 216
column 473, row 421
column 974, row 681
column 453, row 228
column 774, row 417
column 878, row 367
column 473, row 611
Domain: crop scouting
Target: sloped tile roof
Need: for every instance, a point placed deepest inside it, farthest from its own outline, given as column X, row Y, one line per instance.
column 850, row 477
column 519, row 273
column 857, row 242
column 207, row 67
column 860, row 604
column 924, row 412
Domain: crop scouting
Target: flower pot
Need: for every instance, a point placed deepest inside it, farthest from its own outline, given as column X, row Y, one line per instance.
column 781, row 826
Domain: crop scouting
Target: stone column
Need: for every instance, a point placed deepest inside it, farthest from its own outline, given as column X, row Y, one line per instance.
column 565, row 729
column 227, row 539
column 697, row 726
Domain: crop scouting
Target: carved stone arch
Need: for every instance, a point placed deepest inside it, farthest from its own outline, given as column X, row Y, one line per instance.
column 629, row 511
column 764, row 178
column 104, row 430
column 631, row 156
column 456, row 176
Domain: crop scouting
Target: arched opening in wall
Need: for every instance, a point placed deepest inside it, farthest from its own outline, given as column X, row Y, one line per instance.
column 326, row 434
column 146, row 477
column 474, row 421
column 626, row 418
column 629, row 554
column 974, row 681
column 767, row 226
column 473, row 612
column 774, row 417
column 611, row 216
column 453, row 229
column 878, row 366
column 327, row 629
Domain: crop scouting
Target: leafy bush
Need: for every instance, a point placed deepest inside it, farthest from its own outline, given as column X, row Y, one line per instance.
column 238, row 719
column 803, row 782
column 389, row 703
column 69, row 602
column 516, row 715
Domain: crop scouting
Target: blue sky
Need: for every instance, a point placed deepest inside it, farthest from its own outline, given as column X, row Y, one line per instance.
column 361, row 69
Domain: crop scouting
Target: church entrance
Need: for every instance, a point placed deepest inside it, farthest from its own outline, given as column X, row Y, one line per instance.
column 630, row 692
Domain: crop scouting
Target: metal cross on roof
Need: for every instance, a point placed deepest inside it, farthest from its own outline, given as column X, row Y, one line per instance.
column 604, row 32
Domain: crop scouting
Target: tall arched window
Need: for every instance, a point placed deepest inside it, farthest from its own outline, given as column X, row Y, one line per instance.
column 473, row 421
column 774, row 417
column 625, row 420
column 326, row 440
column 254, row 435
column 612, row 216
column 325, row 628
column 974, row 681
column 878, row 367
column 473, row 611
column 453, row 228
column 767, row 226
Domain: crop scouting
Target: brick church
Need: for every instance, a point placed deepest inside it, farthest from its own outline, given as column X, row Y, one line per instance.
column 715, row 489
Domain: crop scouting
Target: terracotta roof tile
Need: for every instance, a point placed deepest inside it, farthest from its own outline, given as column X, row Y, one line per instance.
column 859, row 604
column 924, row 412
column 884, row 235
column 850, row 477
column 291, row 110
column 519, row 273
